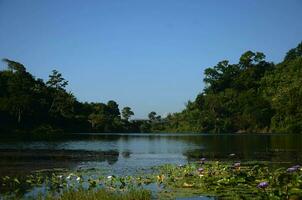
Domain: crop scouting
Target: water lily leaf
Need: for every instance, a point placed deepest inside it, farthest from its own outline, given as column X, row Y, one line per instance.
column 29, row 181
column 187, row 185
column 17, row 181
column 295, row 191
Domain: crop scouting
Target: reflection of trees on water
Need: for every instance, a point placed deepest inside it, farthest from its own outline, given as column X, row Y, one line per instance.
column 126, row 154
column 274, row 148
column 27, row 160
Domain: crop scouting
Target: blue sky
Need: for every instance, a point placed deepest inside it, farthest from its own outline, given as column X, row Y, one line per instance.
column 149, row 55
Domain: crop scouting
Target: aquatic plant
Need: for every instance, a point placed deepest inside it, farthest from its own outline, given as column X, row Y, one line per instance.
column 254, row 180
column 263, row 185
column 293, row 168
column 237, row 165
column 200, row 170
column 203, row 160
column 102, row 194
column 219, row 180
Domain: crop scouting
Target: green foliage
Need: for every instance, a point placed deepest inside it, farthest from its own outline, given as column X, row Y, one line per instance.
column 102, row 194
column 225, row 181
column 222, row 180
column 283, row 88
column 28, row 104
column 127, row 113
column 250, row 96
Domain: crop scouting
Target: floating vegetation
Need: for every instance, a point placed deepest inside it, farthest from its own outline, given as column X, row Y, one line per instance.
column 102, row 194
column 224, row 180
column 232, row 181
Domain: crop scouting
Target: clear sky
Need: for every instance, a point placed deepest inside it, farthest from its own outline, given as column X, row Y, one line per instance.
column 149, row 55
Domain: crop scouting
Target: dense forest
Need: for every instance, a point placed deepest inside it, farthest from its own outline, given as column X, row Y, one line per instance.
column 252, row 95
column 30, row 105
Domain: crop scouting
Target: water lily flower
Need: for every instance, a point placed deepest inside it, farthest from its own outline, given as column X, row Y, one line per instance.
column 60, row 176
column 69, row 176
column 296, row 166
column 160, row 178
column 232, row 155
column 200, row 170
column 262, row 185
column 109, row 177
column 237, row 165
column 291, row 169
column 78, row 179
column 202, row 160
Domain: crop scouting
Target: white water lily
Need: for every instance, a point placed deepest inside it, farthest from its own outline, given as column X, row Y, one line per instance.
column 109, row 177
column 79, row 178
column 69, row 176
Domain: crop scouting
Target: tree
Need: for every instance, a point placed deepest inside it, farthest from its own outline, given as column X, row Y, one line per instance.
column 62, row 102
column 231, row 100
column 127, row 113
column 14, row 66
column 113, row 109
column 152, row 116
column 19, row 90
column 294, row 53
column 56, row 81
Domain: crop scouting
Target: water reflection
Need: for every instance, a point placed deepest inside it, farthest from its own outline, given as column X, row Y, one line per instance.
column 126, row 153
column 14, row 161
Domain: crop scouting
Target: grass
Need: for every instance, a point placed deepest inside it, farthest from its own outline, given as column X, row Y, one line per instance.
column 102, row 194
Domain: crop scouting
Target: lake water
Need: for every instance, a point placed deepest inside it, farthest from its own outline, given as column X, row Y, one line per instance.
column 125, row 154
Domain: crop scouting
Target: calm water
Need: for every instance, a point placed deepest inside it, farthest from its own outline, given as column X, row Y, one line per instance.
column 129, row 153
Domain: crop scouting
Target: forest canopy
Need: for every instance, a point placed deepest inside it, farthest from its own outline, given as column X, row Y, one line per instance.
column 252, row 95
column 28, row 104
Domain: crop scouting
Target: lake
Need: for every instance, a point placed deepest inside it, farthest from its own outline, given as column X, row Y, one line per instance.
column 125, row 154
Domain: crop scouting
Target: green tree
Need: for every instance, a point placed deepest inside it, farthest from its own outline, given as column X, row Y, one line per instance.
column 152, row 116
column 127, row 113
column 57, row 81
column 62, row 102
column 19, row 90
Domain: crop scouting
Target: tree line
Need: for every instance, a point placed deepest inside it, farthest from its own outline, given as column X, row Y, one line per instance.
column 252, row 95
column 30, row 105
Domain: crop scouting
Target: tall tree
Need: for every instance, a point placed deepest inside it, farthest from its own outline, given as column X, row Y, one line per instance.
column 127, row 113
column 62, row 102
column 152, row 116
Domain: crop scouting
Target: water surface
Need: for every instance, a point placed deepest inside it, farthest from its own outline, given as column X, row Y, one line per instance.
column 129, row 153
